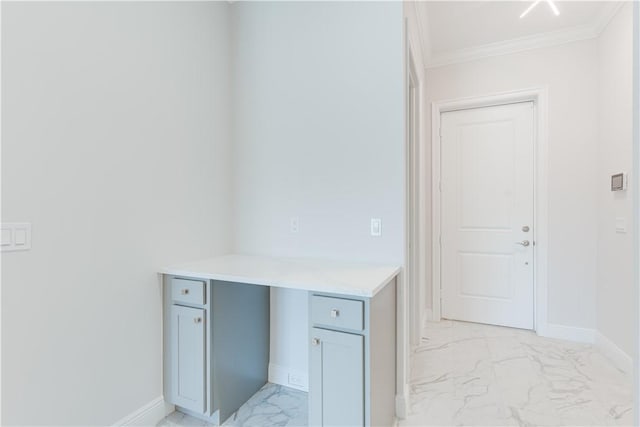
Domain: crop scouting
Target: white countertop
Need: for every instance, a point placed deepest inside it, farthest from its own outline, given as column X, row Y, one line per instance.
column 355, row 279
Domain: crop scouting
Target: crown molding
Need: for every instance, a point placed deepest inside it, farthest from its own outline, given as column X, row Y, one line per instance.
column 608, row 16
column 521, row 44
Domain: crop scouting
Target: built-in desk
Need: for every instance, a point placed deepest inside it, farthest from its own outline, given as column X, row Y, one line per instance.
column 216, row 336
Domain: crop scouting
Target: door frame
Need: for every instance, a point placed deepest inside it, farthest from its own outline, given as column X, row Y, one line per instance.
column 413, row 237
column 538, row 96
column 636, row 203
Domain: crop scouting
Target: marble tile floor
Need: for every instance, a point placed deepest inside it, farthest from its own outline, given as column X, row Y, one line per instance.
column 272, row 406
column 467, row 374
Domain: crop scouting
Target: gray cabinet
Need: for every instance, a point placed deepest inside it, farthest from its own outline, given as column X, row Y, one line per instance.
column 337, row 377
column 216, row 351
column 216, row 345
column 352, row 359
column 188, row 353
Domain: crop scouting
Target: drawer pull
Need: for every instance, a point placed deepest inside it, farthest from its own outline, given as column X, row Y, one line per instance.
column 184, row 291
column 197, row 320
column 334, row 312
column 315, row 341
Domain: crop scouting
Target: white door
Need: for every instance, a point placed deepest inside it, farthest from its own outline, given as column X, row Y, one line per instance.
column 487, row 215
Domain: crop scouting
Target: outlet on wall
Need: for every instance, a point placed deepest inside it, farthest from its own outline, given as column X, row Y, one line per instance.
column 376, row 227
column 621, row 225
column 293, row 225
column 297, row 380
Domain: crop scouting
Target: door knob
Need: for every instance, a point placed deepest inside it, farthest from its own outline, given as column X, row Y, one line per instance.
column 335, row 313
column 315, row 341
column 524, row 243
column 525, row 228
column 197, row 320
column 184, row 291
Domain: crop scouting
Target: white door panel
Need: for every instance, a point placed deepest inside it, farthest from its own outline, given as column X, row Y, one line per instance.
column 487, row 199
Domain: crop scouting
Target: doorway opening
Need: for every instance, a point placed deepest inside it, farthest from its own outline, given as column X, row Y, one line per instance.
column 486, row 193
column 483, row 300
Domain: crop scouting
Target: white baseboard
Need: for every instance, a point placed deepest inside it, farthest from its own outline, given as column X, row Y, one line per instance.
column 148, row 415
column 288, row 377
column 615, row 354
column 568, row 333
column 621, row 360
column 402, row 406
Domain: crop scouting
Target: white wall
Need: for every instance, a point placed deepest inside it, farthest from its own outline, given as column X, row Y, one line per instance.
column 571, row 74
column 115, row 146
column 319, row 134
column 616, row 296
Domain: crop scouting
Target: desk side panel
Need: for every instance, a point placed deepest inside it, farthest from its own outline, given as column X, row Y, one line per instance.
column 382, row 336
column 240, row 343
column 166, row 339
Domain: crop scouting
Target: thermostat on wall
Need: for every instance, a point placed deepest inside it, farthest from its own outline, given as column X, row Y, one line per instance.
column 619, row 182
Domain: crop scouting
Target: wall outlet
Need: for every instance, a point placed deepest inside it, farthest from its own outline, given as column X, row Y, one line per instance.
column 293, row 224
column 297, row 380
column 376, row 227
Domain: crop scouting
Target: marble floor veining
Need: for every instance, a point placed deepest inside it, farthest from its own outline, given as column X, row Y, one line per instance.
column 480, row 375
column 467, row 374
column 272, row 406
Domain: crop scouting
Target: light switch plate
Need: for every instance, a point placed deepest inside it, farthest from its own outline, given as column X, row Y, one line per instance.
column 16, row 236
column 376, row 227
column 7, row 236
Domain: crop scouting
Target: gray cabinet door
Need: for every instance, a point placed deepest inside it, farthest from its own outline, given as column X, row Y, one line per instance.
column 188, row 357
column 336, row 389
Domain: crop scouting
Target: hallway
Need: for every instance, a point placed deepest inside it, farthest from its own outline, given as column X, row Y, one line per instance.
column 472, row 374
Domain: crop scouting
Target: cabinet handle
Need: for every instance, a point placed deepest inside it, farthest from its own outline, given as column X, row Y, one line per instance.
column 335, row 313
column 315, row 341
column 185, row 292
column 197, row 320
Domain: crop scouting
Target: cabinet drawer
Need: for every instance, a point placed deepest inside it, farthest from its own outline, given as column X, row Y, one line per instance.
column 337, row 312
column 187, row 291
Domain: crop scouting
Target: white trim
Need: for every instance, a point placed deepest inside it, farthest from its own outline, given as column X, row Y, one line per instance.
column 148, row 415
column 279, row 374
column 435, row 211
column 413, row 190
column 619, row 357
column 635, row 189
column 535, row 41
column 569, row 333
column 540, row 230
column 608, row 348
column 402, row 404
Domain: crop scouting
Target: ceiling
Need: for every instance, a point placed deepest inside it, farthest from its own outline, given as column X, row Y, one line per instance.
column 455, row 31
